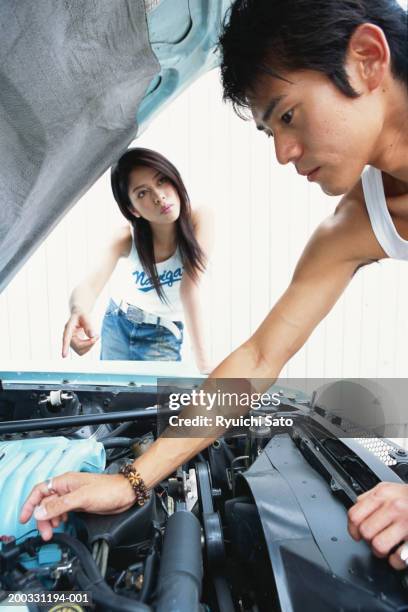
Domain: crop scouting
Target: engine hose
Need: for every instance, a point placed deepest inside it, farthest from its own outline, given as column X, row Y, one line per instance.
column 95, row 550
column 117, row 431
column 117, row 442
column 181, row 568
column 104, row 557
column 90, row 578
column 149, row 569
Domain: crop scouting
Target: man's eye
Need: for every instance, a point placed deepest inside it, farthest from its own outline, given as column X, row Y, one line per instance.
column 287, row 117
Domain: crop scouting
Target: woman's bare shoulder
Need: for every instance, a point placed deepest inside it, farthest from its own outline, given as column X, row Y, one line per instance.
column 202, row 214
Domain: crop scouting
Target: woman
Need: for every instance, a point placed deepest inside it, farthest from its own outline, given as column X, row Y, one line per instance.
column 165, row 246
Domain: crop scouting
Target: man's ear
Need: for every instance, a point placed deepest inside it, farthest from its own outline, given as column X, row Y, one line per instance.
column 368, row 57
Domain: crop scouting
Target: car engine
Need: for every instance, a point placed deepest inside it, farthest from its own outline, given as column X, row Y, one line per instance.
column 256, row 522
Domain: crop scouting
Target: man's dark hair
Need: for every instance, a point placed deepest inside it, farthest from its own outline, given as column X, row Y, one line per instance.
column 272, row 36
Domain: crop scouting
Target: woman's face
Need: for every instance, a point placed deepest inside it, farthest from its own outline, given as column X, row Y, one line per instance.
column 153, row 196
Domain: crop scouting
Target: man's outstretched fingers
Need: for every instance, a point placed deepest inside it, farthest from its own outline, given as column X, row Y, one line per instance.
column 34, row 499
column 45, row 529
column 55, row 507
column 61, row 485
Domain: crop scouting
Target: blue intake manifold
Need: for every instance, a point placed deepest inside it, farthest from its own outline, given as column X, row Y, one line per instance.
column 25, row 463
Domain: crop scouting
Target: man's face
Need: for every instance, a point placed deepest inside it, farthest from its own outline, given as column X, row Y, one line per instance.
column 326, row 135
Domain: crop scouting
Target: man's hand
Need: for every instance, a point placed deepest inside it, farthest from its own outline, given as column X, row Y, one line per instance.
column 97, row 493
column 78, row 334
column 380, row 517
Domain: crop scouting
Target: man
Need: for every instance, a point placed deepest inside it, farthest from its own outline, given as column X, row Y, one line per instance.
column 327, row 79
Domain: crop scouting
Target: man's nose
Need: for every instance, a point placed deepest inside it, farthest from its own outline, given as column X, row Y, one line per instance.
column 287, row 149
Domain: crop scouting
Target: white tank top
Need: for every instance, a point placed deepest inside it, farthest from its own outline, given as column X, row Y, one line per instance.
column 135, row 287
column 380, row 218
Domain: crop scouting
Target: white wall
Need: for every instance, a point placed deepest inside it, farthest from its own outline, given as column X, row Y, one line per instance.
column 264, row 215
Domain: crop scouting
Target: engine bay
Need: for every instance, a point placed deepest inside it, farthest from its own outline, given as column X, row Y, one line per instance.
column 254, row 523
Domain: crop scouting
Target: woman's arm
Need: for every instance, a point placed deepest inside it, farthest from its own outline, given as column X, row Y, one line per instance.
column 84, row 296
column 191, row 290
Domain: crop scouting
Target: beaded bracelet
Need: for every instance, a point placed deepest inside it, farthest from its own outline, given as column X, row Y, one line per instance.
column 136, row 482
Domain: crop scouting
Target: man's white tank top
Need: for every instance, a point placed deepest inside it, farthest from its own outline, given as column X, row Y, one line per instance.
column 380, row 218
column 136, row 287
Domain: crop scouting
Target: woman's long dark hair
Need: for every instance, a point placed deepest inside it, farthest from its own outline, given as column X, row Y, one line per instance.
column 192, row 256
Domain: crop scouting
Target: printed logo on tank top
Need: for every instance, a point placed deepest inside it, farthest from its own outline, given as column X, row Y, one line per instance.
column 167, row 278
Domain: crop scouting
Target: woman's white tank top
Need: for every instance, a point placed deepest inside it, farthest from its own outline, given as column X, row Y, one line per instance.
column 135, row 287
column 380, row 218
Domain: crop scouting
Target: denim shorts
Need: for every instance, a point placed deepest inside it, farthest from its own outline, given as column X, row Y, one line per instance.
column 122, row 338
